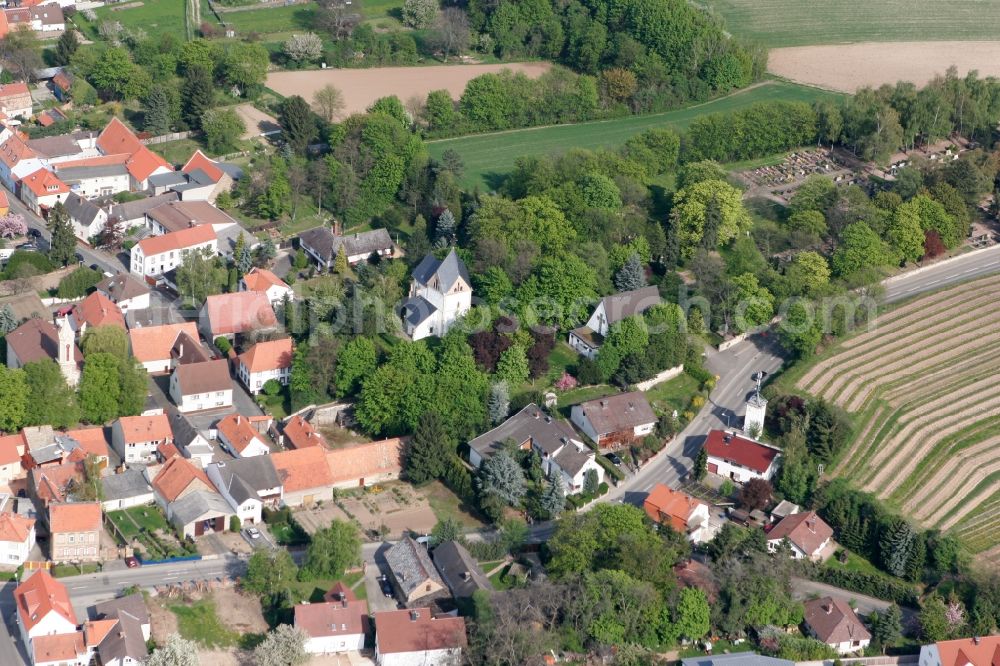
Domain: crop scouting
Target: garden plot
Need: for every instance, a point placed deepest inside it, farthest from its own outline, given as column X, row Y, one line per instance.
column 926, row 398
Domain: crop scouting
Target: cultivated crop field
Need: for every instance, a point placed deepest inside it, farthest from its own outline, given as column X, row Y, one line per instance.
column 799, row 23
column 488, row 157
column 924, row 389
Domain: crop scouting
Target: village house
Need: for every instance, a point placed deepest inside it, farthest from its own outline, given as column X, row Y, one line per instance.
column 807, row 534
column 11, row 449
column 62, row 84
column 200, row 169
column 194, row 186
column 832, row 621
column 43, row 609
column 365, row 464
column 232, row 314
column 125, row 291
column 92, row 177
column 133, row 213
column 460, row 571
column 616, row 420
column 413, row 573
column 52, row 484
column 125, row 490
column 198, row 386
column 740, row 458
column 263, row 280
column 336, row 625
column 975, row 651
column 263, row 362
column 40, row 18
column 50, row 117
column 415, row 636
column 440, row 293
column 173, row 216
column 679, row 511
column 587, row 339
column 118, row 641
column 117, row 139
column 136, row 438
column 42, row 190
column 17, row 538
column 17, row 160
column 131, row 604
column 248, row 484
column 323, row 246
column 190, row 441
column 15, row 100
column 243, row 436
column 96, row 310
column 298, row 433
column 152, row 345
column 37, row 339
column 189, row 499
column 75, row 532
column 88, row 219
column 305, row 476
column 156, row 255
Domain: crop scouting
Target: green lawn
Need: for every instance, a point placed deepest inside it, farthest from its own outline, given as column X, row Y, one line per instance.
column 488, row 157
column 854, row 563
column 313, row 590
column 797, row 23
column 673, row 394
column 582, row 394
column 271, row 20
column 199, row 622
column 445, row 504
column 153, row 16
column 149, row 518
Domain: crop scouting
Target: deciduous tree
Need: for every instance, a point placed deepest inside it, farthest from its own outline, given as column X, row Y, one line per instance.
column 420, row 14
column 755, row 494
column 14, row 406
column 305, row 47
column 328, row 103
column 222, row 128
column 270, row 572
column 691, row 205
column 284, row 646
column 332, row 550
column 176, row 652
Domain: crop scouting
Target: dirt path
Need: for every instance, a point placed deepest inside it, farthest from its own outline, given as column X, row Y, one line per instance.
column 936, row 490
column 961, row 491
column 847, row 67
column 361, row 87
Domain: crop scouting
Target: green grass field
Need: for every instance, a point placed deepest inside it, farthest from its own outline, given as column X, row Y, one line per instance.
column 797, row 23
column 488, row 157
column 154, row 17
column 199, row 622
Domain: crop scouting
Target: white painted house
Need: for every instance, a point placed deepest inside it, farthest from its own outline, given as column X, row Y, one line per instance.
column 88, row 219
column 616, row 420
column 415, row 637
column 263, row 362
column 248, row 485
column 198, row 386
column 242, row 435
column 739, row 458
column 440, row 293
column 261, row 279
column 43, row 607
column 806, row 534
column 831, row 620
column 333, row 626
column 322, row 246
column 17, row 538
column 587, row 339
column 155, row 255
column 136, row 438
column 126, row 291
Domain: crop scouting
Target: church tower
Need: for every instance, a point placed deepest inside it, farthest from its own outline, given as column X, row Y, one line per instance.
column 753, row 421
column 67, row 351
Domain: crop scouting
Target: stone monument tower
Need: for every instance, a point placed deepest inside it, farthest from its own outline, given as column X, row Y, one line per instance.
column 67, row 351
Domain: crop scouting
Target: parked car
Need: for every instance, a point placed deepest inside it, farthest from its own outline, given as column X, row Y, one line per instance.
column 34, row 233
column 27, row 247
column 253, row 533
column 132, row 562
column 386, row 586
column 614, row 459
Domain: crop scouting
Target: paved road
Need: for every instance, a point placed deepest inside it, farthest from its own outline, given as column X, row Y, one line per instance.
column 961, row 268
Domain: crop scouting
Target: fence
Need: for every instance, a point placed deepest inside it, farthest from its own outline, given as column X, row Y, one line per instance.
column 165, row 138
column 170, row 560
column 669, row 373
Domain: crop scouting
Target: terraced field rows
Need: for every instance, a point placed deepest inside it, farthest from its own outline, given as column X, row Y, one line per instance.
column 926, row 392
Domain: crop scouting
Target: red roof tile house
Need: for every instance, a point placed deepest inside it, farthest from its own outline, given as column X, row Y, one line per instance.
column 137, row 438
column 807, row 534
column 43, row 608
column 261, row 279
column 976, row 651
column 200, row 169
column 616, row 420
column 15, row 100
column 75, row 532
column 263, row 362
column 11, row 449
column 17, row 538
column 189, row 498
column 415, row 636
column 42, row 190
column 96, row 310
column 366, row 464
column 679, row 511
column 740, row 458
column 333, row 626
column 142, row 163
column 832, row 621
column 152, row 345
column 305, row 476
column 298, row 433
column 241, row 435
column 155, row 255
column 231, row 314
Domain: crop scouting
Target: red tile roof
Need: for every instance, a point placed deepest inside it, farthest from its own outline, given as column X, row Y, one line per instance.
column 199, row 160
column 366, row 460
column 671, row 507
column 144, row 162
column 11, row 447
column 40, row 595
column 75, row 517
column 806, row 530
column 52, row 482
column 177, row 240
column 167, row 451
column 45, row 183
column 153, row 343
column 96, row 630
column 261, row 279
column 239, row 312
column 117, row 138
column 58, row 647
column 339, row 592
column 238, row 431
column 270, row 355
column 136, row 429
column 98, row 310
column 300, row 434
column 984, row 651
column 100, row 160
column 92, row 440
column 302, row 469
column 15, row 528
column 746, row 452
column 416, row 630
column 834, row 621
column 333, row 618
column 62, row 81
column 13, row 150
column 175, row 476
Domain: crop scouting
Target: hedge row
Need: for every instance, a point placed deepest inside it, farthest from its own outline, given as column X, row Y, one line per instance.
column 874, row 585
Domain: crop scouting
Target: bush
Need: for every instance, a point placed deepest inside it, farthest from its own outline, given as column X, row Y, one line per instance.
column 272, row 387
column 486, row 551
column 875, row 585
column 698, row 373
column 602, row 489
column 78, row 283
column 610, row 468
column 234, row 523
column 223, row 344
column 20, row 258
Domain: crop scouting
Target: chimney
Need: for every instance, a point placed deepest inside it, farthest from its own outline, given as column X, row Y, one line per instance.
column 343, row 601
column 828, row 608
column 414, row 616
column 238, row 418
column 977, row 640
column 604, row 404
column 466, row 575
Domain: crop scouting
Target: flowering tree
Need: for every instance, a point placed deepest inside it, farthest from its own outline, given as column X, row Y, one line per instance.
column 566, row 382
column 12, row 225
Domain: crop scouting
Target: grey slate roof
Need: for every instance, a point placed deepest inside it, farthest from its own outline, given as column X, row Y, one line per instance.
column 194, row 505
column 136, row 210
column 75, row 174
column 60, row 145
column 628, row 303
column 459, row 570
column 572, row 459
column 246, row 478
column 81, row 210
column 125, row 640
column 411, row 565
column 167, row 179
column 416, row 309
column 188, row 350
column 529, row 424
column 152, row 317
column 618, row 412
column 133, row 604
column 447, row 271
column 184, row 430
column 738, row 659
column 128, row 484
column 122, row 287
column 327, row 245
column 234, row 171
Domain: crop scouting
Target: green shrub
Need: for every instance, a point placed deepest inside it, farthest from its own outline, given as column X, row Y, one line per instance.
column 602, row 489
column 610, row 469
column 223, row 344
column 78, row 283
column 234, row 523
column 272, row 387
column 20, row 258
